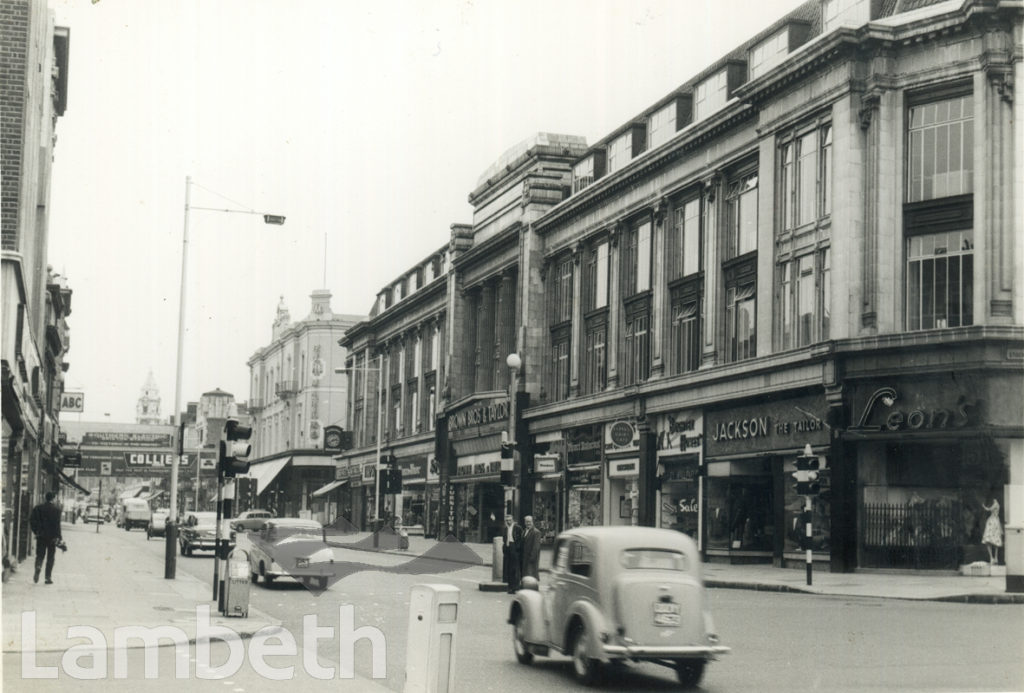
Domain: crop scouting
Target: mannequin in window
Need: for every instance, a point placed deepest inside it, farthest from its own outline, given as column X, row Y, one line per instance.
column 992, row 537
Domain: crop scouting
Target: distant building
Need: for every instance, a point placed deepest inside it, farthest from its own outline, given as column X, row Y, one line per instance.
column 294, row 393
column 35, row 301
column 147, row 409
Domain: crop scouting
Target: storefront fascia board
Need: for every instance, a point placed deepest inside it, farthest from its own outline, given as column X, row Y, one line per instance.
column 554, row 418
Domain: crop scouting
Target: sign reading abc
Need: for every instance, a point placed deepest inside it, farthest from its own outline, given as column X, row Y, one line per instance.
column 72, row 401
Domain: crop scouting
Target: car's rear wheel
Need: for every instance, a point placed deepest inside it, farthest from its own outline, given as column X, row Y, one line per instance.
column 583, row 666
column 690, row 672
column 523, row 653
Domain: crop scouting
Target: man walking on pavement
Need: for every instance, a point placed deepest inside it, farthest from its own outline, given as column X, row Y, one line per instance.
column 531, row 549
column 45, row 523
column 512, row 553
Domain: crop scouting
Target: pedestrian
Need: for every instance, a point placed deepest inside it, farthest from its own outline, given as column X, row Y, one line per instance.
column 992, row 537
column 44, row 521
column 512, row 553
column 531, row 549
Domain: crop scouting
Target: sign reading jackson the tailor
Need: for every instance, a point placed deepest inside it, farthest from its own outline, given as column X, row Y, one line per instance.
column 779, row 425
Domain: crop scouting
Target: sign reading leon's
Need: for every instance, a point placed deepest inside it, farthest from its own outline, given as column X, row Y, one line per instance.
column 72, row 401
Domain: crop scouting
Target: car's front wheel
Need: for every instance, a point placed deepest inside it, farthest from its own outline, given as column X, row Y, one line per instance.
column 523, row 653
column 690, row 672
column 583, row 666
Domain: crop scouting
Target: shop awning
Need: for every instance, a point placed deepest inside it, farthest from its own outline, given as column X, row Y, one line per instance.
column 265, row 472
column 327, row 488
column 65, row 479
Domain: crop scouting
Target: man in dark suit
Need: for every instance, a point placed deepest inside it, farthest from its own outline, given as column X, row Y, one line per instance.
column 512, row 536
column 531, row 549
column 45, row 523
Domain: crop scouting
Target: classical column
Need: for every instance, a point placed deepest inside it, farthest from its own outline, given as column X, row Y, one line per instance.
column 869, row 125
column 1001, row 225
column 504, row 329
column 711, row 323
column 659, row 288
column 484, row 373
column 576, row 335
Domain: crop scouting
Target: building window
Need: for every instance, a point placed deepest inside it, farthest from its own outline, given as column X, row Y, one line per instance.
column 620, row 151
column 940, row 280
column 431, row 407
column 941, row 142
column 662, row 125
column 741, row 311
column 562, row 298
column 805, row 179
column 417, row 356
column 595, row 355
column 636, row 259
column 595, row 277
column 559, row 378
column 637, row 345
column 396, row 406
column 768, row 53
column 711, row 95
column 435, row 348
column 685, row 328
column 686, row 239
column 741, row 215
column 836, row 13
column 588, row 170
column 414, row 407
column 805, row 297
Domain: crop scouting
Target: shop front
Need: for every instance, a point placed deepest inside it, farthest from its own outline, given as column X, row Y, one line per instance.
column 549, row 485
column 751, row 511
column 622, row 457
column 412, row 504
column 478, row 498
column 369, row 489
column 583, row 476
column 932, row 454
column 680, row 454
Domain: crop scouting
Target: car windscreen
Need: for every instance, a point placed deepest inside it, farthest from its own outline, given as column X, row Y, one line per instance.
column 654, row 559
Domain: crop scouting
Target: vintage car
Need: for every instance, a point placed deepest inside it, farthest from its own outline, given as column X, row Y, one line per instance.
column 291, row 547
column 94, row 513
column 617, row 594
column 157, row 525
column 199, row 531
column 133, row 512
column 250, row 520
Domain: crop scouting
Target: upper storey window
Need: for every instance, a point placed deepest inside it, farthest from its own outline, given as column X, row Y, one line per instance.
column 711, row 95
column 941, row 137
column 805, row 178
column 741, row 210
column 626, row 146
column 836, row 13
column 662, row 125
column 588, row 170
column 769, row 53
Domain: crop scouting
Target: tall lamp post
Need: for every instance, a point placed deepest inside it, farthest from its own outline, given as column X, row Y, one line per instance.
column 515, row 365
column 172, row 519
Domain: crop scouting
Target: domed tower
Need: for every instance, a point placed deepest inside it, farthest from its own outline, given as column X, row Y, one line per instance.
column 147, row 410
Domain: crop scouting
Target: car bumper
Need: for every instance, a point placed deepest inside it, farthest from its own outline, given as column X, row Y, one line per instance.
column 316, row 570
column 664, row 651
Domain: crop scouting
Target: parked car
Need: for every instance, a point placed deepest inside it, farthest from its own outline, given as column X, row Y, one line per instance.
column 291, row 547
column 199, row 531
column 157, row 526
column 94, row 513
column 617, row 594
column 134, row 512
column 249, row 520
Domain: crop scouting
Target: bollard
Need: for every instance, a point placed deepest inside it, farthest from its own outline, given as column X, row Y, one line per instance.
column 498, row 559
column 235, row 589
column 430, row 647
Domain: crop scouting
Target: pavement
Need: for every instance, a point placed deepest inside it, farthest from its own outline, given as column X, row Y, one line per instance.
column 99, row 582
column 916, row 585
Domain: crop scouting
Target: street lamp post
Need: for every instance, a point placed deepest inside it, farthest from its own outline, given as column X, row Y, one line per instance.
column 172, row 518
column 515, row 364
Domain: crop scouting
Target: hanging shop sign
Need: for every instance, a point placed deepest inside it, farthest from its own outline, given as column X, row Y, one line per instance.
column 621, row 436
column 682, row 432
column 778, row 425
column 545, row 464
column 622, row 468
column 115, row 439
column 583, row 444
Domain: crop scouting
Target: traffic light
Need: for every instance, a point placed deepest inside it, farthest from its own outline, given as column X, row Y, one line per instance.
column 508, row 465
column 391, row 481
column 806, row 475
column 235, row 448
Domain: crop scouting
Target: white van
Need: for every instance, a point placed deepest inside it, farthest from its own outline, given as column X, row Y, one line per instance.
column 134, row 513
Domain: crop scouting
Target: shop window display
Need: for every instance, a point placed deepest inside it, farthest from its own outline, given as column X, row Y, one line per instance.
column 740, row 513
column 545, row 515
column 584, row 507
column 821, row 512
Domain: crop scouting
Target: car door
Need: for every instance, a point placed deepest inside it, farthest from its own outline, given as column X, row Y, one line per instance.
column 554, row 595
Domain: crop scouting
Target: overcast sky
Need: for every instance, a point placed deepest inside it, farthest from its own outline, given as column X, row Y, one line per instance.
column 366, row 123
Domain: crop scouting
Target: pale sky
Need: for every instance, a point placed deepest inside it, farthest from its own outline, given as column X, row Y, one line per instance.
column 367, row 124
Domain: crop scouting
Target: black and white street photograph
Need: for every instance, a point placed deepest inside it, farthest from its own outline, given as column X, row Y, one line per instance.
column 447, row 346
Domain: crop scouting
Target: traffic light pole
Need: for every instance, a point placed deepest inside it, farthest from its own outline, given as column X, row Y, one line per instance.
column 808, row 533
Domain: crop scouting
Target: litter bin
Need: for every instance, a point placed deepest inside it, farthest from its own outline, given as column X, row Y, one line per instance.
column 236, row 584
column 1013, row 556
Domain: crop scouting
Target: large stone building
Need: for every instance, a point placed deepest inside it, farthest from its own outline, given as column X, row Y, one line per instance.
column 814, row 241
column 294, row 394
column 35, row 302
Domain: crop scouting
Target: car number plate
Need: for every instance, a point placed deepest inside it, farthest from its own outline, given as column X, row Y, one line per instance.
column 666, row 614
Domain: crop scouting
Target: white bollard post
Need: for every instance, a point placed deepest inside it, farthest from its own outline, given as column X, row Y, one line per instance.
column 498, row 559
column 430, row 648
